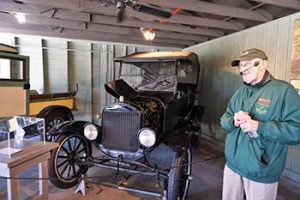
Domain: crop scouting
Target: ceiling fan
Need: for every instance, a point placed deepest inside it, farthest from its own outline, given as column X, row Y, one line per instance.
column 122, row 4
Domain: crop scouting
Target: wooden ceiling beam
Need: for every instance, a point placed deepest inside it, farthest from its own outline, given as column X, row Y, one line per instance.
column 70, row 4
column 100, row 19
column 211, row 8
column 44, row 11
column 40, row 30
column 136, row 23
column 48, row 20
column 294, row 4
column 180, row 36
column 93, row 6
column 204, row 22
column 178, row 19
column 31, row 19
column 110, row 29
column 101, row 29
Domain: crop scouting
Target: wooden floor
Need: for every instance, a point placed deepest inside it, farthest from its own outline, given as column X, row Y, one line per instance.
column 206, row 184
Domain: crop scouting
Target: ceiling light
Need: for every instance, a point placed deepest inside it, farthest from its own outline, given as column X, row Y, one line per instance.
column 148, row 34
column 21, row 18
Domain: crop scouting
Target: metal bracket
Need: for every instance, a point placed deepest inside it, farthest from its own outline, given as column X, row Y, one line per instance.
column 83, row 185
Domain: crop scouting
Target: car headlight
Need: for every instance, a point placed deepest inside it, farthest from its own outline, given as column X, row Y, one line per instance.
column 147, row 137
column 90, row 132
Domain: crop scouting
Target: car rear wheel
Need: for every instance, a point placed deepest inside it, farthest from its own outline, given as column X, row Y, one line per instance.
column 65, row 167
column 178, row 182
column 53, row 118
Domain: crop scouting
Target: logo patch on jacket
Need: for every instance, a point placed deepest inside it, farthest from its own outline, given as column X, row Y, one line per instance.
column 261, row 110
column 262, row 106
column 264, row 102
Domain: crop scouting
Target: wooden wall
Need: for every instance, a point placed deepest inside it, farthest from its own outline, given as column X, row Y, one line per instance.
column 55, row 58
column 80, row 73
column 219, row 80
column 32, row 48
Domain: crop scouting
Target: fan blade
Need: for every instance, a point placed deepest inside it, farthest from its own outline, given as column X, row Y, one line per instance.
column 152, row 11
column 120, row 15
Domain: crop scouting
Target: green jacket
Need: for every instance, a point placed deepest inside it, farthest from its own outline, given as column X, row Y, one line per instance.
column 276, row 105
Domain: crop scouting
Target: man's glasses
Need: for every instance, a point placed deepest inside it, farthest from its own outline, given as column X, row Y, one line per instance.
column 247, row 71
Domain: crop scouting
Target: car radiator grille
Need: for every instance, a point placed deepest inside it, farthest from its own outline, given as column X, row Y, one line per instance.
column 120, row 130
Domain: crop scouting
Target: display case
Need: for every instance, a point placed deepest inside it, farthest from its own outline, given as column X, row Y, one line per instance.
column 18, row 133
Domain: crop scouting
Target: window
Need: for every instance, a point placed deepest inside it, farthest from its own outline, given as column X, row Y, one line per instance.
column 11, row 69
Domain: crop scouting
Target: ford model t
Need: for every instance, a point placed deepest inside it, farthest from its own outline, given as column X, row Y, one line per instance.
column 148, row 129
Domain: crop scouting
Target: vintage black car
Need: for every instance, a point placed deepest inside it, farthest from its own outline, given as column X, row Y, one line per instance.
column 148, row 129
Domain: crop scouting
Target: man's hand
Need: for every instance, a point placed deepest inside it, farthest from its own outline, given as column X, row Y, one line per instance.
column 250, row 126
column 240, row 118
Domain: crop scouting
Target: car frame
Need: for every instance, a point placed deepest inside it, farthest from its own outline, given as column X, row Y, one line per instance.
column 148, row 130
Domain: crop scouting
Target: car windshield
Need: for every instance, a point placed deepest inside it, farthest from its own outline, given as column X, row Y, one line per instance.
column 150, row 76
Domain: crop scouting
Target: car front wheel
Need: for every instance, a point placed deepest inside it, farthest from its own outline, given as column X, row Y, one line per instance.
column 65, row 163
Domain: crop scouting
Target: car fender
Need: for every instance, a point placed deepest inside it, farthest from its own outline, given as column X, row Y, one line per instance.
column 178, row 141
column 46, row 111
column 66, row 126
column 73, row 126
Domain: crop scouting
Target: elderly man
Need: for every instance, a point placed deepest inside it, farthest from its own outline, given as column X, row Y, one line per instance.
column 261, row 120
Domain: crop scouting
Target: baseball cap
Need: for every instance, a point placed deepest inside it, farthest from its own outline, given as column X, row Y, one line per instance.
column 249, row 55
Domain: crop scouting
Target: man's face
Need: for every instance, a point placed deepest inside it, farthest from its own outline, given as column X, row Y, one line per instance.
column 249, row 70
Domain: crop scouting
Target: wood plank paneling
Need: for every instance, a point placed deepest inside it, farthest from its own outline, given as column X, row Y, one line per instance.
column 55, row 57
column 95, row 81
column 261, row 37
column 32, row 47
column 79, row 72
column 7, row 39
column 103, row 74
column 111, row 70
column 282, row 48
column 220, row 80
column 271, row 43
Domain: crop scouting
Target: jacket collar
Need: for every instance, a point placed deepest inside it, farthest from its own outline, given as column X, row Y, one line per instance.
column 267, row 78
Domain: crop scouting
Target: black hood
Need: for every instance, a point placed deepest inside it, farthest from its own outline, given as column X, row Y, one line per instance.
column 119, row 88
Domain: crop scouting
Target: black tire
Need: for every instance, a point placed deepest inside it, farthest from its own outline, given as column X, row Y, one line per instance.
column 179, row 182
column 53, row 118
column 64, row 170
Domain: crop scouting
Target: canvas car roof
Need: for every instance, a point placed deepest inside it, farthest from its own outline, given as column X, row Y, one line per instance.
column 157, row 56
